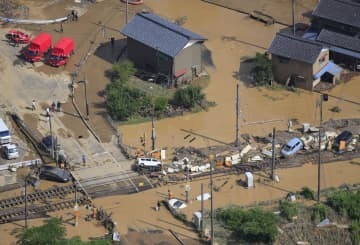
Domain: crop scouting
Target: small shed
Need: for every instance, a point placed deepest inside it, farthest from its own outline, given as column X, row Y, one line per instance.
column 249, row 180
column 159, row 46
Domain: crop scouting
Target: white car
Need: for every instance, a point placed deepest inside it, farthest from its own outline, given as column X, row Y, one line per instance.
column 10, row 151
column 176, row 204
column 148, row 162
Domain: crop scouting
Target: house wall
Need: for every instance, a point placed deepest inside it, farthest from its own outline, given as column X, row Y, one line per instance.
column 321, row 61
column 299, row 73
column 147, row 58
column 186, row 59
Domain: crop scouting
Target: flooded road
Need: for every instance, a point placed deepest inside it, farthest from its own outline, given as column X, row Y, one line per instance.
column 233, row 36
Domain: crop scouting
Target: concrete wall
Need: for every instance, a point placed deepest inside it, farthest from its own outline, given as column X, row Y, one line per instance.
column 186, row 59
column 301, row 73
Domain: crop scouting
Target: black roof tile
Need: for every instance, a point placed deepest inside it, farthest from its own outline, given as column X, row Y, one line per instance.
column 295, row 48
column 344, row 12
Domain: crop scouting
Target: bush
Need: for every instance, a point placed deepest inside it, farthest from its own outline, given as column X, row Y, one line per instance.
column 346, row 203
column 188, row 97
column 288, row 209
column 122, row 71
column 253, row 225
column 160, row 105
column 318, row 212
column 355, row 231
column 307, row 193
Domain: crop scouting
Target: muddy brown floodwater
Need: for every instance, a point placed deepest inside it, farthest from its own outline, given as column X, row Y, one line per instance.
column 231, row 37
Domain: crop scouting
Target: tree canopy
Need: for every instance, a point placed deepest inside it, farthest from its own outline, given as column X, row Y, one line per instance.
column 124, row 100
column 262, row 72
column 253, row 225
column 52, row 232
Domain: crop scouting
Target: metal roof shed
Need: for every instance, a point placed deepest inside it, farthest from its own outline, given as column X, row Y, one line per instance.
column 160, row 46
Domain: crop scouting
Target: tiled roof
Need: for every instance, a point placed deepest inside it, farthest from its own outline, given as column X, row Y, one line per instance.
column 295, row 48
column 159, row 33
column 340, row 11
column 339, row 40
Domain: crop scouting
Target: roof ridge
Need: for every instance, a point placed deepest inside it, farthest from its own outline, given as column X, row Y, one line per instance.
column 300, row 39
column 348, row 3
column 160, row 24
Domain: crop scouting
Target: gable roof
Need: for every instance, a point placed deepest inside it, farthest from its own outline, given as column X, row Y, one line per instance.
column 295, row 48
column 344, row 12
column 339, row 40
column 159, row 33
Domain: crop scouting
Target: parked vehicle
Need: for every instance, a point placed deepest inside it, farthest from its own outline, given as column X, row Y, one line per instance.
column 5, row 137
column 10, row 151
column 344, row 137
column 291, row 147
column 38, row 47
column 16, row 36
column 176, row 204
column 151, row 164
column 61, row 52
column 54, row 174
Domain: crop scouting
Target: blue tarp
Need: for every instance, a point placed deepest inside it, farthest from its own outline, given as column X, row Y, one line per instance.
column 330, row 68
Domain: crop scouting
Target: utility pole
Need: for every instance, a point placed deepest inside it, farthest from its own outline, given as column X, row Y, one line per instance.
column 273, row 155
column 51, row 138
column 127, row 5
column 26, row 199
column 153, row 136
column 86, row 100
column 323, row 97
column 202, row 208
column 237, row 140
column 211, row 201
column 293, row 16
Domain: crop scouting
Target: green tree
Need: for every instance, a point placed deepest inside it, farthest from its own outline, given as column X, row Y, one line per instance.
column 253, row 225
column 52, row 232
column 123, row 101
column 189, row 96
column 288, row 209
column 262, row 72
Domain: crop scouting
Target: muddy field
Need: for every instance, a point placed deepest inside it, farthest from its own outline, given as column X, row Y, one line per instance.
column 232, row 36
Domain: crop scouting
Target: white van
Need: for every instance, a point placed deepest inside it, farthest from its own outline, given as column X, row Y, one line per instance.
column 150, row 163
column 10, row 151
column 5, row 137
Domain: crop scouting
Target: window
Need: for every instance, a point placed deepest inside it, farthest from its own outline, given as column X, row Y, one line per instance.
column 322, row 59
column 284, row 60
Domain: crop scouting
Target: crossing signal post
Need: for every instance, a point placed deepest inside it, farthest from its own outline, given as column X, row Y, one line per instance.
column 143, row 141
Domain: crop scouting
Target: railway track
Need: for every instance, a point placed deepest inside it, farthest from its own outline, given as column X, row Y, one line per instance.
column 18, row 213
column 56, row 192
column 39, row 204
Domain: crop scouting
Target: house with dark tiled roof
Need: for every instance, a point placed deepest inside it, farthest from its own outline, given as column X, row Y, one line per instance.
column 337, row 15
column 336, row 25
column 162, row 47
column 300, row 62
column 344, row 49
